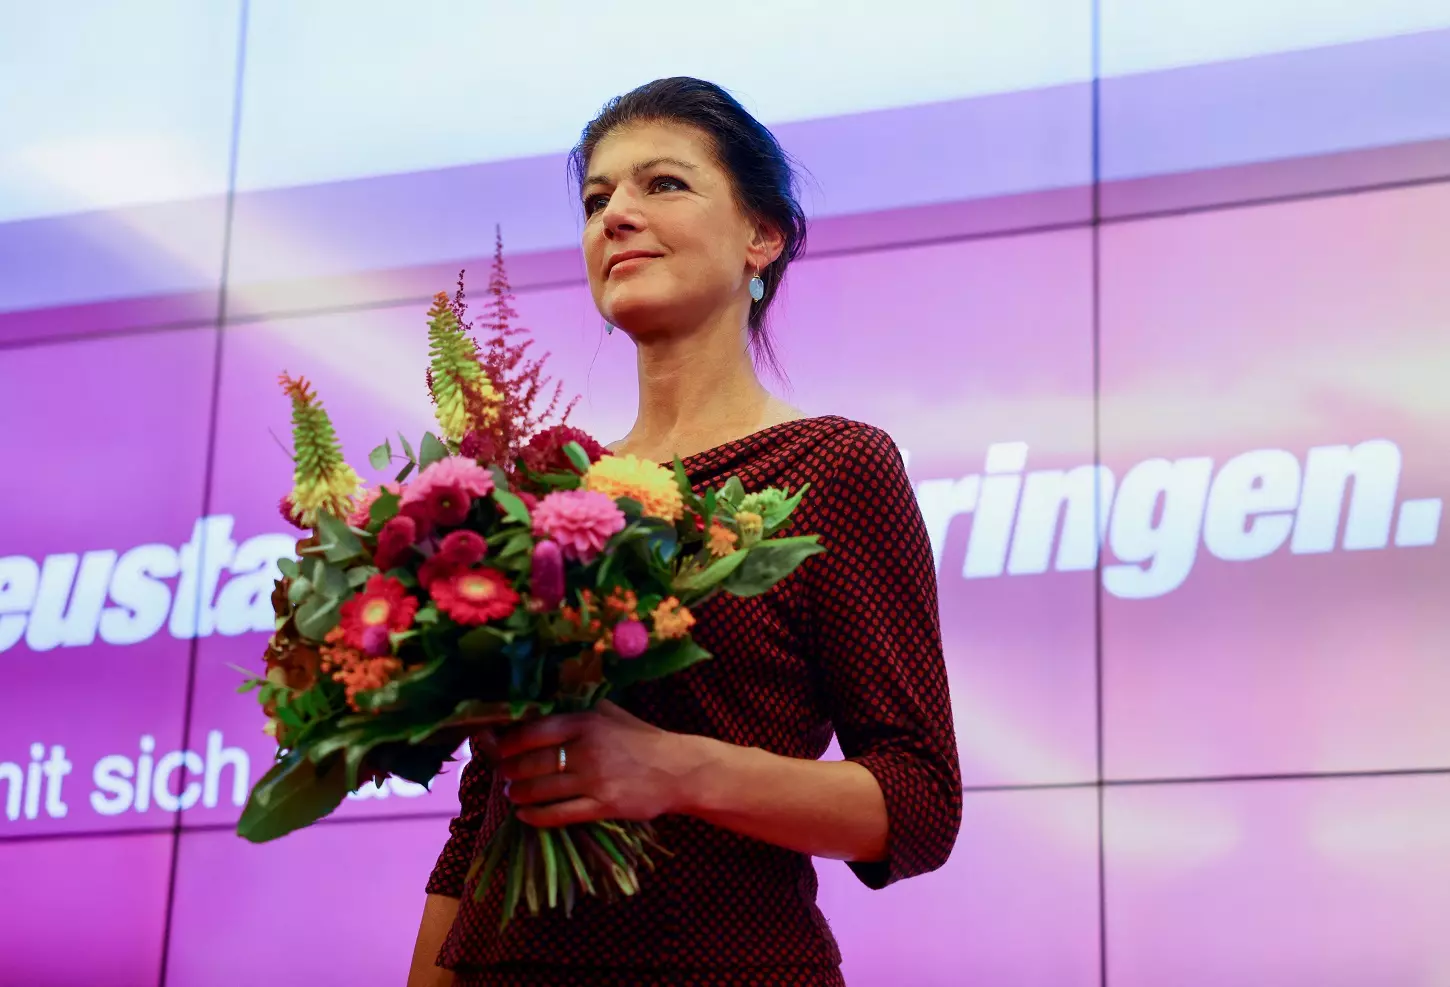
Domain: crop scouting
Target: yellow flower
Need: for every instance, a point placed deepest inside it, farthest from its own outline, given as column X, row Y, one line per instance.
column 672, row 620
column 751, row 525
column 650, row 484
column 331, row 490
column 722, row 540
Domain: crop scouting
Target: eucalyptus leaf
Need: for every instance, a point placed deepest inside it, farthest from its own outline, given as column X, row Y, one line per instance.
column 431, row 451
column 333, row 583
column 403, row 473
column 288, row 567
column 339, row 544
column 384, row 509
column 316, row 617
column 298, row 590
column 407, row 447
column 381, row 456
column 359, row 575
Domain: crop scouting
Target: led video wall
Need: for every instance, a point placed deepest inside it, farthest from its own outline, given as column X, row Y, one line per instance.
column 1154, row 303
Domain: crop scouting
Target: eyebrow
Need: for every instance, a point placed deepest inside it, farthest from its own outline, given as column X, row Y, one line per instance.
column 642, row 166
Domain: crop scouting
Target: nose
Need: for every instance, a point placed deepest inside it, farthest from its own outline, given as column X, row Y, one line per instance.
column 622, row 215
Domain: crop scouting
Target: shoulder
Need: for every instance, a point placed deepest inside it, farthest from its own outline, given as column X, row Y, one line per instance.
column 847, row 446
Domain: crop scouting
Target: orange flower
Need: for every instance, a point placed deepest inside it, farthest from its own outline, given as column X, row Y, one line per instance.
column 672, row 620
column 722, row 540
column 356, row 671
column 622, row 602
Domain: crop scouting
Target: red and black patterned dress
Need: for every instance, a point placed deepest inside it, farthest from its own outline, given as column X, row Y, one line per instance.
column 851, row 643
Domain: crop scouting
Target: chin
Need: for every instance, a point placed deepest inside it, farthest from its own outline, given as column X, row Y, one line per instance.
column 642, row 313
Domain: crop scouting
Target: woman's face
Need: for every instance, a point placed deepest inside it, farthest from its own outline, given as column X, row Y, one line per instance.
column 666, row 245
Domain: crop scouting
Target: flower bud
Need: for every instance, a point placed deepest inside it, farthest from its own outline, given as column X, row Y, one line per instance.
column 631, row 638
column 547, row 578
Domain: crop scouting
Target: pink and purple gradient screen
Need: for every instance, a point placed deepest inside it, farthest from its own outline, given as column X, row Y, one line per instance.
column 1183, row 468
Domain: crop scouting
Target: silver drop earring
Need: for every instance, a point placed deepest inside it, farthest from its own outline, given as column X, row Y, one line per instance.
column 757, row 287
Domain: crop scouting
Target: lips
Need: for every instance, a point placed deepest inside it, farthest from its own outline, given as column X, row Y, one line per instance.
column 623, row 256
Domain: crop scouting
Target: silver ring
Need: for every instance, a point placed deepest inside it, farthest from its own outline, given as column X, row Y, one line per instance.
column 563, row 764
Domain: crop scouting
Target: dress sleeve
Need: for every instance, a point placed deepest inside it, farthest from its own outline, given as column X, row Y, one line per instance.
column 463, row 830
column 877, row 635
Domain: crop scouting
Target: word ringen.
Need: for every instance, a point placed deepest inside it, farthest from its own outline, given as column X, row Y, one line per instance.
column 1152, row 522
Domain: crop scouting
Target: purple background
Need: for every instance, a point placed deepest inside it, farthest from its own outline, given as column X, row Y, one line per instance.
column 1240, row 781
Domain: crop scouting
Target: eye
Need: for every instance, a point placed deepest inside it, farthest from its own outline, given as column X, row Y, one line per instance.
column 667, row 183
column 594, row 203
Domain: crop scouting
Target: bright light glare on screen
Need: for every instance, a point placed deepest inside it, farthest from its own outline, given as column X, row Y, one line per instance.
column 1143, row 35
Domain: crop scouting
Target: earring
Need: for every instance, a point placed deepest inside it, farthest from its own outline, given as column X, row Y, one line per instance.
column 609, row 328
column 757, row 287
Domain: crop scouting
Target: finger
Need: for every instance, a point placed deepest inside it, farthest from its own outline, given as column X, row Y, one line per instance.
column 546, row 788
column 485, row 743
column 531, row 764
column 551, row 731
column 579, row 810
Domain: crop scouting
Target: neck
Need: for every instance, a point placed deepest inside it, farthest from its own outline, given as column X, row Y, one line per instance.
column 696, row 390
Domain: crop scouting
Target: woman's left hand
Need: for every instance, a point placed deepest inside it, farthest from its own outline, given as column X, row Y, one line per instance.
column 616, row 766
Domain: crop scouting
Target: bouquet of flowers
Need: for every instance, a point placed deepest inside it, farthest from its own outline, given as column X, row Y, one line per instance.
column 508, row 571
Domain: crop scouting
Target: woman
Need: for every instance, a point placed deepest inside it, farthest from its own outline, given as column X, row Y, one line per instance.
column 690, row 220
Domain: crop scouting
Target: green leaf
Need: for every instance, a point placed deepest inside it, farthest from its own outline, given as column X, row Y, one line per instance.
column 316, row 617
column 413, row 690
column 571, row 853
column 288, row 567
column 409, row 581
column 431, row 451
column 384, row 509
column 630, row 507
column 779, row 514
column 488, row 863
column 682, row 480
column 428, row 614
column 293, row 794
column 359, row 575
column 381, row 456
column 733, row 491
column 768, row 562
column 659, row 661
column 712, row 575
column 515, row 879
column 661, row 537
column 403, row 473
column 551, row 867
column 577, row 456
column 710, row 497
column 482, row 642
column 332, row 583
column 513, row 506
column 407, row 447
column 339, row 544
column 298, row 590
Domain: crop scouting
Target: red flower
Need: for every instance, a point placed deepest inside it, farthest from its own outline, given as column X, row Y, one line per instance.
column 440, row 506
column 463, row 548
column 545, row 451
column 474, row 596
column 394, row 540
column 478, row 446
column 382, row 603
column 290, row 514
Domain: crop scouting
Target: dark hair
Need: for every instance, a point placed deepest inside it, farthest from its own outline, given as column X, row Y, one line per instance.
column 762, row 174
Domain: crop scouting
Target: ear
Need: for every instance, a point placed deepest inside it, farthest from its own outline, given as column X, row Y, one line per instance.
column 766, row 244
